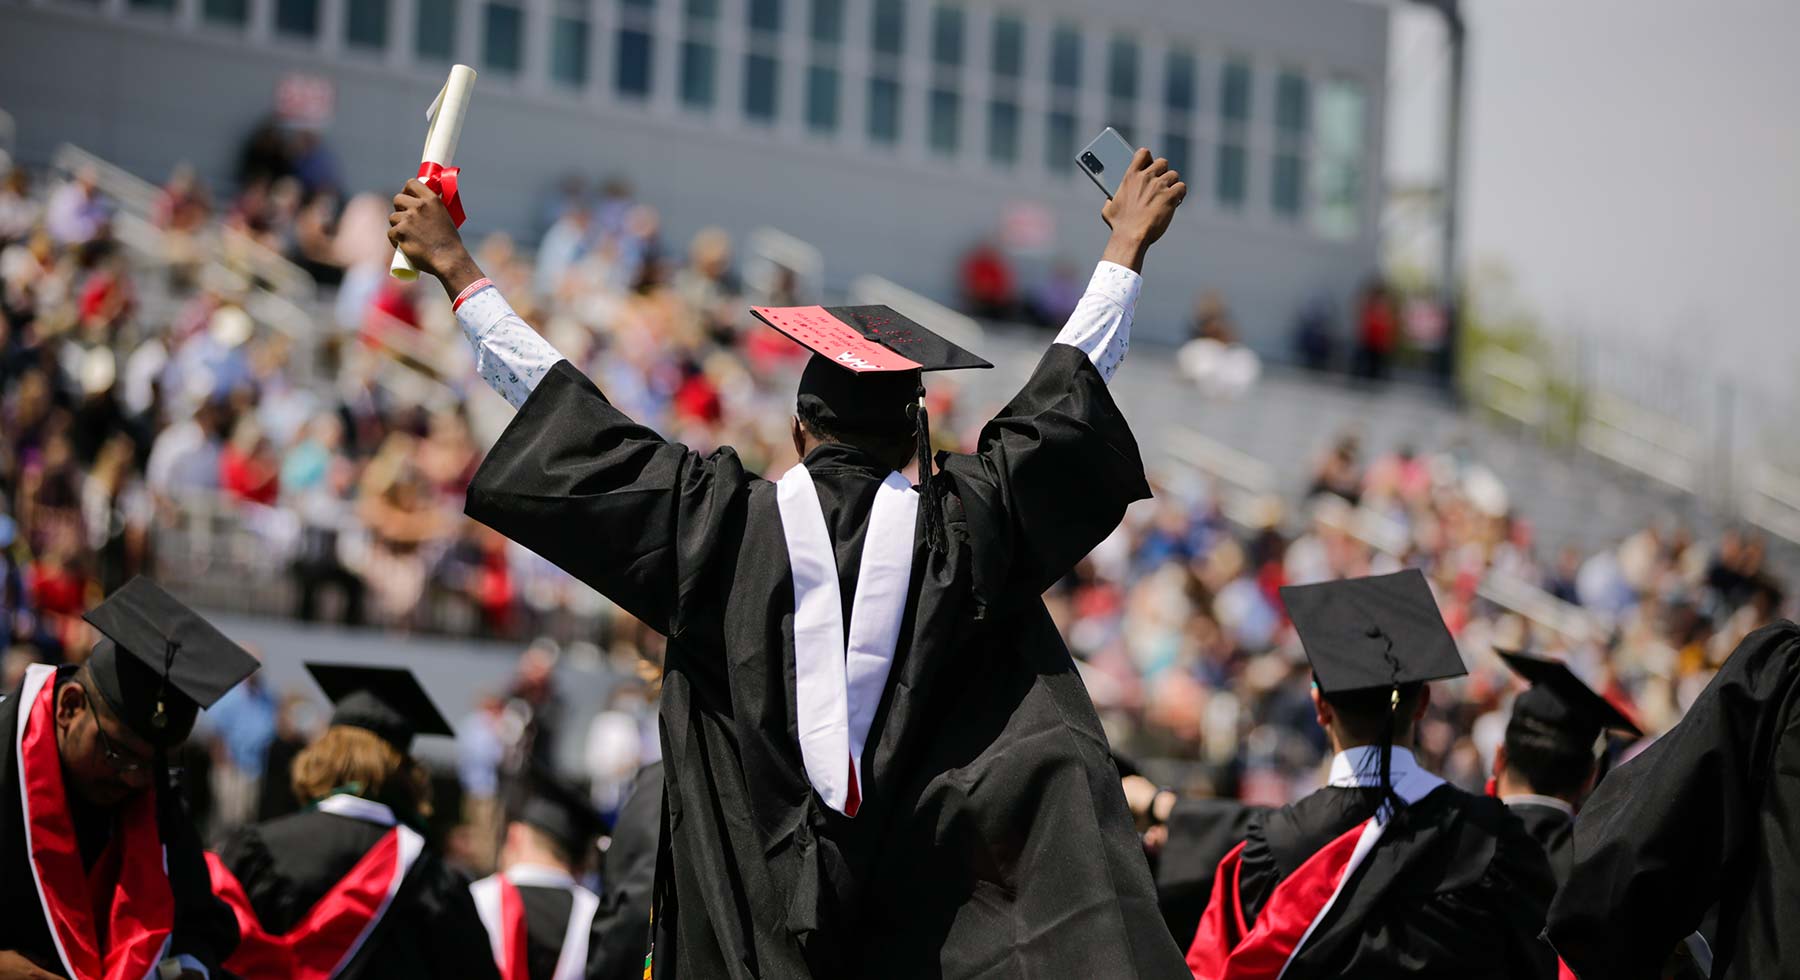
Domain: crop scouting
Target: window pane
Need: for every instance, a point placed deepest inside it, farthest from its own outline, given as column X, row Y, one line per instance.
column 1178, row 82
column 887, row 30
column 1284, row 192
column 1009, row 46
column 765, row 15
column 947, row 35
column 946, row 121
column 822, row 99
column 697, row 74
column 828, row 21
column 1059, row 143
column 1234, row 93
column 434, row 34
column 1065, row 58
column 640, row 4
column 884, row 110
column 1177, row 149
column 299, row 18
column 365, row 23
column 702, row 9
column 1228, row 177
column 235, row 12
column 1338, row 148
column 152, row 4
column 1122, row 69
column 569, row 51
column 500, row 47
column 1003, row 132
column 1290, row 104
column 760, row 87
column 634, row 63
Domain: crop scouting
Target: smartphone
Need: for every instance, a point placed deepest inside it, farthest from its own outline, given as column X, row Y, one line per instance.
column 1106, row 159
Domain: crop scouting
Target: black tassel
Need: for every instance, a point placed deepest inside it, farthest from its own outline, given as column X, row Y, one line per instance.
column 934, row 518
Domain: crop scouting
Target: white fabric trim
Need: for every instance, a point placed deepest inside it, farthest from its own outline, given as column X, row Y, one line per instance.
column 1100, row 327
column 357, row 808
column 1357, row 767
column 36, row 676
column 838, row 685
column 539, row 876
column 486, row 894
column 410, row 845
column 1532, row 799
column 571, row 963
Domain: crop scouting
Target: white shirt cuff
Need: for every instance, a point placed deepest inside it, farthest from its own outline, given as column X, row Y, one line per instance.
column 510, row 356
column 1100, row 327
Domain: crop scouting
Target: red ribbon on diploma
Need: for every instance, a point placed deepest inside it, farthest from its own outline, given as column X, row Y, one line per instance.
column 442, row 181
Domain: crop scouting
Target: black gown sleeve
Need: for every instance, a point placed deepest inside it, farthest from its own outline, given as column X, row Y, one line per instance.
column 1050, row 478
column 1201, row 833
column 621, row 932
column 605, row 499
column 1663, row 835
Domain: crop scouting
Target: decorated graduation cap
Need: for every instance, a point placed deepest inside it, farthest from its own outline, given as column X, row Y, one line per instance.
column 159, row 662
column 1560, row 705
column 1373, row 636
column 866, row 376
column 385, row 700
column 560, row 812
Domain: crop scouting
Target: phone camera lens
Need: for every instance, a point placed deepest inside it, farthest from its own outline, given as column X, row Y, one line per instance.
column 1092, row 162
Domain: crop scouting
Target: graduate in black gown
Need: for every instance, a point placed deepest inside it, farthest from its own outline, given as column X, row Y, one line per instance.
column 85, row 774
column 879, row 758
column 1546, row 765
column 1707, row 817
column 348, row 887
column 1388, row 871
column 627, row 882
column 539, row 917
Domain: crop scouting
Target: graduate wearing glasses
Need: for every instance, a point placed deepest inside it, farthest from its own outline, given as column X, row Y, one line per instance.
column 101, row 873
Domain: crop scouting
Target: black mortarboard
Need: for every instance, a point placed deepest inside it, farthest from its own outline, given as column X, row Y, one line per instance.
column 385, row 700
column 562, row 812
column 160, row 662
column 866, row 376
column 1376, row 632
column 1558, row 702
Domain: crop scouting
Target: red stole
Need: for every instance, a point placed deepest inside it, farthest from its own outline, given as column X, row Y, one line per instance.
column 1224, row 949
column 110, row 924
column 333, row 930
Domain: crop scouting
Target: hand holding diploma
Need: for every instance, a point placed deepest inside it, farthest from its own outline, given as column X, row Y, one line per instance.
column 424, row 235
column 445, row 129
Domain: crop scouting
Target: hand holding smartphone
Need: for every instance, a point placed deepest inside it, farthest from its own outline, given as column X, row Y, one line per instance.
column 1105, row 160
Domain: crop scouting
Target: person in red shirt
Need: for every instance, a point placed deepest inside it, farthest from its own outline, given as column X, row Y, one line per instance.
column 987, row 283
column 1378, row 331
column 248, row 470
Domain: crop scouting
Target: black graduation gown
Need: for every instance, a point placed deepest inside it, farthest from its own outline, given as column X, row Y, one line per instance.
column 1708, row 815
column 1454, row 889
column 621, row 932
column 204, row 927
column 1201, row 833
column 993, row 838
column 1554, row 831
column 430, row 929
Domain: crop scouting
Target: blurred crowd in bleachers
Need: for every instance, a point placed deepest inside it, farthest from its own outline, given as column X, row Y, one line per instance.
column 150, row 423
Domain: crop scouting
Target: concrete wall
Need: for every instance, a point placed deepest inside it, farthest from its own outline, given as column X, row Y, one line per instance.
column 148, row 91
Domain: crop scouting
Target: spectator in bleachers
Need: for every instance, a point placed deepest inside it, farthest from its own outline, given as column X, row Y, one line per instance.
column 77, row 212
column 19, row 211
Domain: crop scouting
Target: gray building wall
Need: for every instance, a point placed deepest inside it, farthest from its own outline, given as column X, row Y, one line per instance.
column 148, row 88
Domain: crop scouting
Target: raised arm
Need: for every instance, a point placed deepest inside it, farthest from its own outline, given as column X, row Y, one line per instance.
column 510, row 356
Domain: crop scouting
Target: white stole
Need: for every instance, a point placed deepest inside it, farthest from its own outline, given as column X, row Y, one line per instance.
column 837, row 686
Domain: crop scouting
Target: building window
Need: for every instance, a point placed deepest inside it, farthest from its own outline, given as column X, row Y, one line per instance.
column 233, row 13
column 1230, row 183
column 1178, row 111
column 1065, row 96
column 826, row 30
column 1008, row 60
column 698, row 54
column 297, row 18
column 635, row 47
column 1178, row 149
column 946, row 93
column 158, row 5
column 1178, row 83
column 1122, row 85
column 503, row 38
column 365, row 24
column 434, row 32
column 762, row 72
column 887, row 42
column 569, row 45
column 1338, row 160
column 1288, row 167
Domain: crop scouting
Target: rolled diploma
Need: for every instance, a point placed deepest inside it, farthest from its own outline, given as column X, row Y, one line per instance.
column 440, row 139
